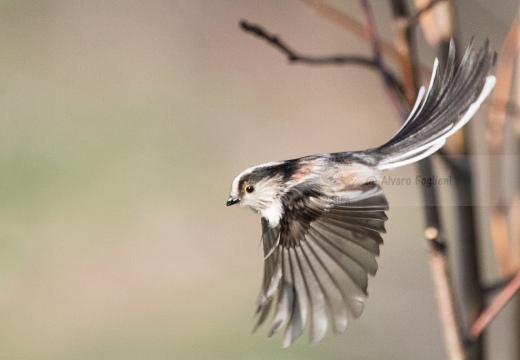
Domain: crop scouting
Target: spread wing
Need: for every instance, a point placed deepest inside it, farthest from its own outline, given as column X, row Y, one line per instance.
column 318, row 259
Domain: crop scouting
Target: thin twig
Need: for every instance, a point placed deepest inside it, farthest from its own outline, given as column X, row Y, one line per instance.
column 494, row 308
column 397, row 102
column 348, row 23
column 342, row 59
column 293, row 56
column 444, row 296
column 501, row 94
column 498, row 285
column 353, row 26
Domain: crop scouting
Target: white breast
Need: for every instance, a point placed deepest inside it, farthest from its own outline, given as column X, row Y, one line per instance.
column 273, row 213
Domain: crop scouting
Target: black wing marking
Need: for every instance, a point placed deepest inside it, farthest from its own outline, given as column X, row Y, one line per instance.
column 324, row 249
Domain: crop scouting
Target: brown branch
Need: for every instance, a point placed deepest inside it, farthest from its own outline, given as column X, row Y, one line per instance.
column 402, row 44
column 494, row 308
column 293, row 56
column 439, row 267
column 495, row 140
column 498, row 285
column 500, row 98
column 353, row 26
column 444, row 296
column 347, row 22
column 397, row 102
column 393, row 85
column 500, row 236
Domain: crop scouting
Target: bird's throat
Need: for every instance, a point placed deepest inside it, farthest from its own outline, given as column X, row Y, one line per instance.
column 273, row 213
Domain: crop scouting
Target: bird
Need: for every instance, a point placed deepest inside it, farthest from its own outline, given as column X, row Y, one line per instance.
column 322, row 216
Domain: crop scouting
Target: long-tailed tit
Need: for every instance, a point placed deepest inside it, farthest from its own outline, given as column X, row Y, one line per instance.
column 322, row 215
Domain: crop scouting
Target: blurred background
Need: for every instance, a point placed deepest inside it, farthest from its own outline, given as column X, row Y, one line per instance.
column 122, row 126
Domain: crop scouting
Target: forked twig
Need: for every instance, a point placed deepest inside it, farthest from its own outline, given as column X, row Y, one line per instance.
column 353, row 26
column 342, row 59
column 347, row 22
column 399, row 103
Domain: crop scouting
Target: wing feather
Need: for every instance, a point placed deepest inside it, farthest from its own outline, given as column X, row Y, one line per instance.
column 299, row 312
column 325, row 247
column 356, row 253
column 328, row 286
column 361, row 237
column 348, row 278
column 345, row 261
column 318, row 309
column 286, row 294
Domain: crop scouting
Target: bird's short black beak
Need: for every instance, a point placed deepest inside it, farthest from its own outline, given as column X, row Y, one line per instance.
column 232, row 201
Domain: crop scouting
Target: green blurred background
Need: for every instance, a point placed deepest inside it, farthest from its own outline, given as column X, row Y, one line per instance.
column 122, row 126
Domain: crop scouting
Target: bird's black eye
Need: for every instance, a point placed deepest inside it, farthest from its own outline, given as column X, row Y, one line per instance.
column 249, row 189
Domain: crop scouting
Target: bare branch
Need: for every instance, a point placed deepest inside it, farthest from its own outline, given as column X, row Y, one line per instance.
column 444, row 295
column 439, row 267
column 353, row 26
column 375, row 63
column 492, row 311
column 347, row 22
column 499, row 284
column 500, row 236
column 293, row 56
column 500, row 97
column 500, row 231
column 397, row 102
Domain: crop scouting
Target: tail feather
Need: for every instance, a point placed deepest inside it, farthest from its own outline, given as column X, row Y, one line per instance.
column 450, row 102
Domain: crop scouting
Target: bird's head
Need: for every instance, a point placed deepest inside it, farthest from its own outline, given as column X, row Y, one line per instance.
column 259, row 188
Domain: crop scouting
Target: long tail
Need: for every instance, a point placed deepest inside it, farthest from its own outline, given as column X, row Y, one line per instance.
column 450, row 102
